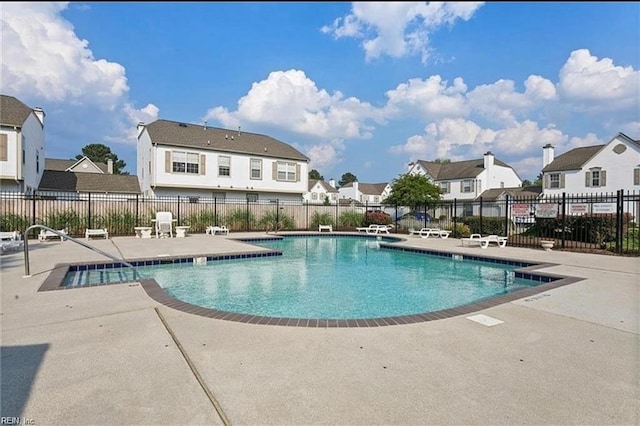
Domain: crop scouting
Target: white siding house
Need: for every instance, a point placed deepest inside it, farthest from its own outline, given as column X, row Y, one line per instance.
column 366, row 193
column 319, row 190
column 198, row 161
column 21, row 145
column 467, row 179
column 593, row 169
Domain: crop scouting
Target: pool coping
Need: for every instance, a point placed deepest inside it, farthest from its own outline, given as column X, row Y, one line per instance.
column 525, row 270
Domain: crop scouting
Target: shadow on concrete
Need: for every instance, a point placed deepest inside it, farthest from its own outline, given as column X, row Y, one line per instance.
column 18, row 368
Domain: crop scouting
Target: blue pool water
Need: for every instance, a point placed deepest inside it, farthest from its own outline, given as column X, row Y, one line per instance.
column 334, row 277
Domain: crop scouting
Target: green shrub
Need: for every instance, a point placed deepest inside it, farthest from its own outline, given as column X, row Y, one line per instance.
column 318, row 218
column 236, row 220
column 490, row 225
column 13, row 222
column 66, row 219
column 199, row 221
column 351, row 219
column 272, row 222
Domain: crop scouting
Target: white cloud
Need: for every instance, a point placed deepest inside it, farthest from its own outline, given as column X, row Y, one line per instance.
column 398, row 29
column 430, row 99
column 325, row 155
column 597, row 84
column 43, row 57
column 291, row 101
column 459, row 139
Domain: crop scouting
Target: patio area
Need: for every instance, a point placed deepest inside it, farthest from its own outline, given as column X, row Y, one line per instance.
column 112, row 355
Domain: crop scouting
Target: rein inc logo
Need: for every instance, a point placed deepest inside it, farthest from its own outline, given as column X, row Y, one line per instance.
column 6, row 420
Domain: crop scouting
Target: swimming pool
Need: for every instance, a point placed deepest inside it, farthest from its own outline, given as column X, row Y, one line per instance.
column 335, row 278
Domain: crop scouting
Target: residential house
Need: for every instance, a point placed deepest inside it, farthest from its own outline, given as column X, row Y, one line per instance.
column 366, row 193
column 319, row 191
column 593, row 169
column 78, row 178
column 493, row 201
column 466, row 180
column 22, row 143
column 194, row 160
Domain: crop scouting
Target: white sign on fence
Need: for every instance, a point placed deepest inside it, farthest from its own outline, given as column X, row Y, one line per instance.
column 578, row 209
column 547, row 210
column 604, row 208
column 520, row 210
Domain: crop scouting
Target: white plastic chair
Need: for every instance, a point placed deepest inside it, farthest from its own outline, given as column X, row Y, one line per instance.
column 164, row 224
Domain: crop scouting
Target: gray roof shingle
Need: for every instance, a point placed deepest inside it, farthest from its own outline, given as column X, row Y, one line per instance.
column 515, row 193
column 457, row 170
column 56, row 180
column 62, row 165
column 174, row 133
column 13, row 112
column 325, row 185
column 572, row 160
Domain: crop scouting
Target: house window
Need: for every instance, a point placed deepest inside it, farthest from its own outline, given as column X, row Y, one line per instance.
column 636, row 176
column 467, row 186
column 287, row 172
column 224, row 165
column 185, row 162
column 23, row 156
column 444, row 187
column 554, row 180
column 314, row 195
column 595, row 178
column 468, row 210
column 256, row 169
column 252, row 198
column 37, row 162
column 376, row 199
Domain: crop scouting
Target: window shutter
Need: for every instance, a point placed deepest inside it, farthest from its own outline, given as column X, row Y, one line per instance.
column 274, row 171
column 203, row 164
column 461, row 186
column 4, row 155
column 167, row 161
column 297, row 172
column 474, row 185
column 545, row 181
column 587, row 179
column 561, row 180
column 636, row 176
column 603, row 178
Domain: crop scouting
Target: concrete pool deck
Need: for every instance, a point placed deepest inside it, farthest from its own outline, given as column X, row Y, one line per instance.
column 112, row 355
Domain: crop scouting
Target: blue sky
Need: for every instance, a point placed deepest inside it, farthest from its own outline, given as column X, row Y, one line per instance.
column 360, row 87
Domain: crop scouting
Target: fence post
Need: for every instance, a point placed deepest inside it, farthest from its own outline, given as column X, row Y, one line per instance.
column 89, row 211
column 506, row 215
column 247, row 216
column 33, row 212
column 564, row 218
column 215, row 211
column 619, row 220
column 481, row 215
column 137, row 210
column 277, row 214
column 455, row 216
column 337, row 211
column 178, row 222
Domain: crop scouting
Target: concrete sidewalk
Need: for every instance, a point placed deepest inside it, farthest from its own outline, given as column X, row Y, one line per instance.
column 111, row 355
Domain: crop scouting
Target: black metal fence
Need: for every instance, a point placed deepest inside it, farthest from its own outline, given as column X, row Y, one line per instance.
column 590, row 222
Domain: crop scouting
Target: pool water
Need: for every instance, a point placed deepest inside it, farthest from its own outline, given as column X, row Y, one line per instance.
column 335, row 278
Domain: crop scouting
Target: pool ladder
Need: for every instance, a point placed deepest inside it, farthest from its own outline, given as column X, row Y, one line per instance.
column 63, row 237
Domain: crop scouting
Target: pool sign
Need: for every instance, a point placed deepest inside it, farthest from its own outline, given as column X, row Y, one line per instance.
column 520, row 210
column 578, row 209
column 547, row 210
column 604, row 208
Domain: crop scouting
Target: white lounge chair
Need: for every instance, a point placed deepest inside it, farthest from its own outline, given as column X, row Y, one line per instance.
column 10, row 241
column 433, row 232
column 44, row 235
column 164, row 224
column 213, row 230
column 97, row 232
column 483, row 242
column 374, row 229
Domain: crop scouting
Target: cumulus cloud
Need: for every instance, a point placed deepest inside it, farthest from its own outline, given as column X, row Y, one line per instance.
column 460, row 139
column 596, row 84
column 292, row 101
column 398, row 29
column 325, row 155
column 43, row 57
column 430, row 99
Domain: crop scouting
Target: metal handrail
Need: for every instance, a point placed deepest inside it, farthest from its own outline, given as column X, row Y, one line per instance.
column 64, row 236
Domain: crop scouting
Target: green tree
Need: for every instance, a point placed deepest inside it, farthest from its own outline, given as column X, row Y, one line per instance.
column 100, row 153
column 413, row 191
column 442, row 161
column 526, row 183
column 314, row 174
column 347, row 178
